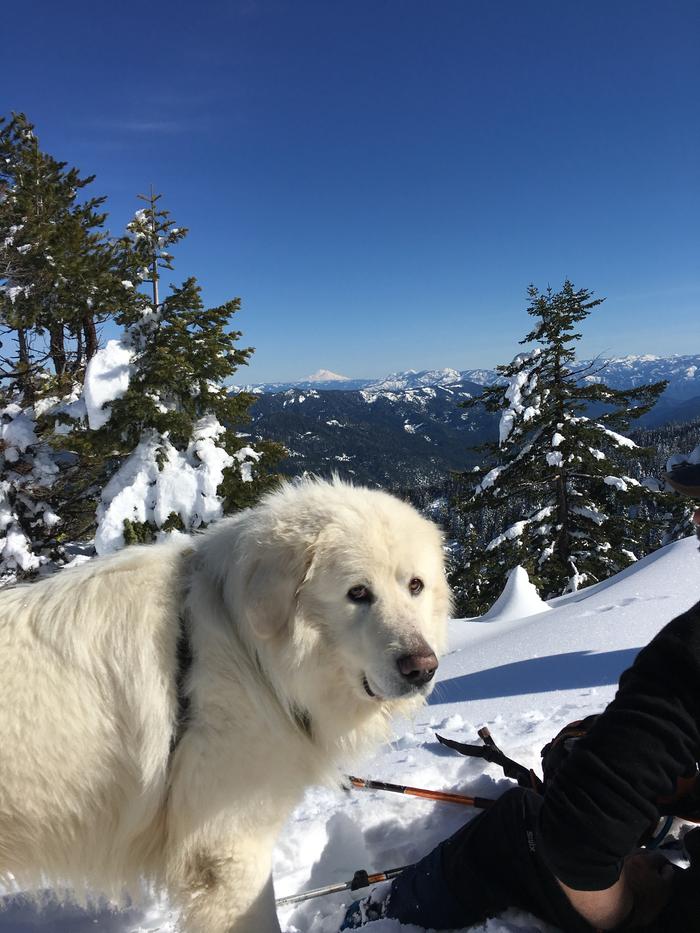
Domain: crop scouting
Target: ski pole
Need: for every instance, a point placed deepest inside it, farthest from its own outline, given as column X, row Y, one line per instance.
column 359, row 880
column 363, row 784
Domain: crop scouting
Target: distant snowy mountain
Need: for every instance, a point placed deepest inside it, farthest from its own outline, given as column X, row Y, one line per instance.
column 315, row 381
column 407, row 429
column 325, row 380
column 400, row 382
column 325, row 375
column 394, row 382
column 377, row 435
column 483, row 377
column 681, row 372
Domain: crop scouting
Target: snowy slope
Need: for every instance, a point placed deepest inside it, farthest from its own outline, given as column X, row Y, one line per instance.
column 523, row 674
column 524, row 678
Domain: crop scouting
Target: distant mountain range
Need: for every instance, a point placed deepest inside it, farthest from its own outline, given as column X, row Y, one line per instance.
column 681, row 372
column 324, row 380
column 408, row 428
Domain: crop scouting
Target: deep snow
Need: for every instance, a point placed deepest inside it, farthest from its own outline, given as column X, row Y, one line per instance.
column 524, row 675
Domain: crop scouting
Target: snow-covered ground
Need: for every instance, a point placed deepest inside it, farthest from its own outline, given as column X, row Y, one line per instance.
column 523, row 673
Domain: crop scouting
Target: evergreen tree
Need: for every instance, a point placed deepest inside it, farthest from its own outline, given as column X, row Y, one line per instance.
column 173, row 434
column 151, row 234
column 173, row 424
column 60, row 276
column 60, row 273
column 574, row 515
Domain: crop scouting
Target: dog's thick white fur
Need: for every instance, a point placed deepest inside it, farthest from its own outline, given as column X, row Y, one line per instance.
column 291, row 677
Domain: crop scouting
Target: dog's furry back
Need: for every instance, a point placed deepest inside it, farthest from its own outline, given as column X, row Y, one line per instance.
column 87, row 707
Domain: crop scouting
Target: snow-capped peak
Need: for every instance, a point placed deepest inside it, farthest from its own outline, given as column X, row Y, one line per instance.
column 325, row 375
column 413, row 379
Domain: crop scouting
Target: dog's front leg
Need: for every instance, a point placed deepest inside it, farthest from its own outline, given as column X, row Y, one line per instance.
column 226, row 888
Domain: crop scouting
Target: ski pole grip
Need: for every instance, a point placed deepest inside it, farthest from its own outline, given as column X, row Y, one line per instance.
column 359, row 880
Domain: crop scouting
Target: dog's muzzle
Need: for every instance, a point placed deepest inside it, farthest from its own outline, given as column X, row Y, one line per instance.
column 413, row 672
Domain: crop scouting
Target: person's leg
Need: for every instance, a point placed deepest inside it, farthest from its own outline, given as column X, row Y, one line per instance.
column 421, row 894
column 425, row 893
column 487, row 866
column 498, row 851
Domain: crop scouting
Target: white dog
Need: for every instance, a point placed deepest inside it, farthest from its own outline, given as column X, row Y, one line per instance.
column 288, row 634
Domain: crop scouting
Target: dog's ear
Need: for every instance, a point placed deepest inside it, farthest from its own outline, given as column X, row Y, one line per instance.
column 274, row 578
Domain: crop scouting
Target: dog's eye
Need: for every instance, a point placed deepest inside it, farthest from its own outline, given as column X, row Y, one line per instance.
column 360, row 594
column 416, row 586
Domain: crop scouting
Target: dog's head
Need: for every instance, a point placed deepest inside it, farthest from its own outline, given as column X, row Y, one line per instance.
column 351, row 579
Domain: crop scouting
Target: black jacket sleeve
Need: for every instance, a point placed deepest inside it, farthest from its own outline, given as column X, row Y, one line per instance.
column 602, row 800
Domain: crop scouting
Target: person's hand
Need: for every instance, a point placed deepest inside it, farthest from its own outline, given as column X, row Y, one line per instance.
column 647, row 877
column 636, row 898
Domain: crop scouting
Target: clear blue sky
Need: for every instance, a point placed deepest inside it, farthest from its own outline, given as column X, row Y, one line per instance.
column 380, row 180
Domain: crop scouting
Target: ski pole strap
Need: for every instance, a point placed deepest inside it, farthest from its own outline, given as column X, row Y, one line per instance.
column 525, row 777
column 482, row 803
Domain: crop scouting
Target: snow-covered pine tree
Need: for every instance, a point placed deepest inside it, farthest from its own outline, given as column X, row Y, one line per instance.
column 171, row 427
column 60, row 276
column 572, row 512
column 61, row 273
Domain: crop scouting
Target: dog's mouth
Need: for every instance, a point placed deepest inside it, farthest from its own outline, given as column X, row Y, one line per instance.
column 368, row 689
column 407, row 691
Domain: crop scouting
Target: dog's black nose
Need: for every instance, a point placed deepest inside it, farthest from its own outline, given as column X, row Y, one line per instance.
column 418, row 668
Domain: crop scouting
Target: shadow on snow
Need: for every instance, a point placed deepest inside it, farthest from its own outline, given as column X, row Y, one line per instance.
column 19, row 914
column 572, row 671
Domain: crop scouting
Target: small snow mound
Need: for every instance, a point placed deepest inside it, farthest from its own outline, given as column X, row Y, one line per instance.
column 518, row 599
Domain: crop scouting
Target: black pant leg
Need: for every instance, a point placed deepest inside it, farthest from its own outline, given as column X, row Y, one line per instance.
column 462, row 881
column 492, row 863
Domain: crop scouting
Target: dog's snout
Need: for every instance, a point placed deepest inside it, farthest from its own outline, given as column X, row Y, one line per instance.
column 418, row 668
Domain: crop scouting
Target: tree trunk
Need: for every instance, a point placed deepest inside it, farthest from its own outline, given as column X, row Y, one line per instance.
column 563, row 539
column 24, row 379
column 154, row 282
column 57, row 348
column 79, row 351
column 90, row 331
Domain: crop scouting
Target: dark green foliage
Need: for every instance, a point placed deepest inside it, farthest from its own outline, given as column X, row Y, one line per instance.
column 61, row 276
column 183, row 356
column 60, row 273
column 667, row 440
column 559, row 461
column 142, row 532
column 183, row 353
column 150, row 235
